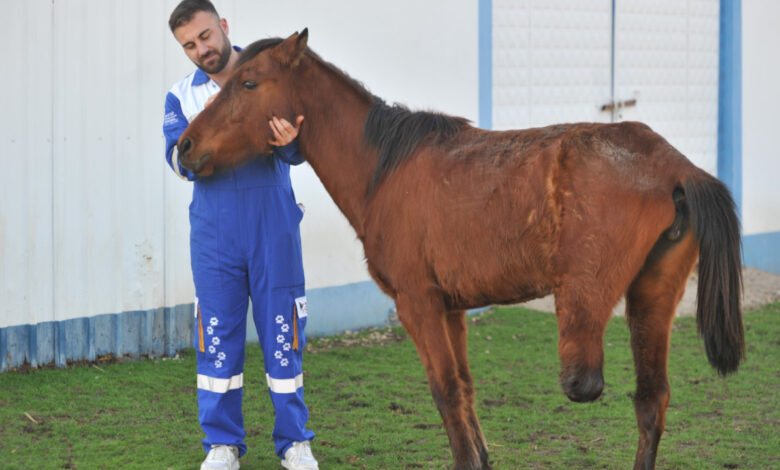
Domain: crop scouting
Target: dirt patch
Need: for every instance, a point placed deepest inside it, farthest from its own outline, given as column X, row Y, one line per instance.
column 760, row 288
column 368, row 337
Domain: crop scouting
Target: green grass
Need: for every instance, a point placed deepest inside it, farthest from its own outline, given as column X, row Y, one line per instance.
column 371, row 409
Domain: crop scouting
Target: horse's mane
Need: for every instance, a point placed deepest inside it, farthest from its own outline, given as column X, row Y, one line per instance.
column 394, row 131
column 255, row 48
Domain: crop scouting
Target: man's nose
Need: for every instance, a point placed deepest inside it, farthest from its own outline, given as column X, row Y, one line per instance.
column 203, row 49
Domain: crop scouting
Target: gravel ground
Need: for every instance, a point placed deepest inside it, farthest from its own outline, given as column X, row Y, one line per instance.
column 760, row 288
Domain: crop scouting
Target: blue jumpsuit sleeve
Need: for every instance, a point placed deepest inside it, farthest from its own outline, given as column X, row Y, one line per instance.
column 289, row 153
column 174, row 124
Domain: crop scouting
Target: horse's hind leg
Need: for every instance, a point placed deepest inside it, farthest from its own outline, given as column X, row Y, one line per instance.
column 431, row 327
column 651, row 302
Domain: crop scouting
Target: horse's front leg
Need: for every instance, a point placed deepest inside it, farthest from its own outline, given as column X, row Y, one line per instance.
column 582, row 318
column 426, row 319
column 458, row 333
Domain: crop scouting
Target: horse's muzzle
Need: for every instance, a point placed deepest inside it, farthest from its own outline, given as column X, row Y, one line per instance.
column 184, row 148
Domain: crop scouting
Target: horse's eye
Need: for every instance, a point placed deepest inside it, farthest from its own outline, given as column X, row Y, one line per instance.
column 249, row 85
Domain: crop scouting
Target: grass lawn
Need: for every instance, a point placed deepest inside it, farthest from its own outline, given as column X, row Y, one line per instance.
column 371, row 408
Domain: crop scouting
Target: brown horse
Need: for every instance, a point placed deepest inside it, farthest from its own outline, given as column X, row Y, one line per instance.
column 453, row 217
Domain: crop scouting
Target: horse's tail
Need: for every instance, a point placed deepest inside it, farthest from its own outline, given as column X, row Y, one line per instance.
column 716, row 228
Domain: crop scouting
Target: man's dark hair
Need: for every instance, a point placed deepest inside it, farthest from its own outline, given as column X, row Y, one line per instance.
column 186, row 9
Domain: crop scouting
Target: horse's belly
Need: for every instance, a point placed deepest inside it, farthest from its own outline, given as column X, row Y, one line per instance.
column 494, row 274
column 519, row 294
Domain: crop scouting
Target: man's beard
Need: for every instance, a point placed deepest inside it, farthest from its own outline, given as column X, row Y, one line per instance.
column 224, row 57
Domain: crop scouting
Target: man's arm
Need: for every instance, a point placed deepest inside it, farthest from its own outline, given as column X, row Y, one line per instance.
column 174, row 125
column 285, row 142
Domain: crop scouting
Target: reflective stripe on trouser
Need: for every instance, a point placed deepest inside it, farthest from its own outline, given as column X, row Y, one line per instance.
column 243, row 242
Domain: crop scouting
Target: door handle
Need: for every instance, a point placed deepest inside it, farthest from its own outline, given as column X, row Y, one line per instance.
column 612, row 105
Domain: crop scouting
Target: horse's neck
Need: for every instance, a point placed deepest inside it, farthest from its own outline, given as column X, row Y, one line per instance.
column 332, row 140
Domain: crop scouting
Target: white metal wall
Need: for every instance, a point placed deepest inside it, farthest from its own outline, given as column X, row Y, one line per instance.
column 91, row 219
column 26, row 281
column 93, row 222
column 760, row 105
column 108, row 195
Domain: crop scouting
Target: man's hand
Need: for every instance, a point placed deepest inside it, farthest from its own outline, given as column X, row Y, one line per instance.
column 284, row 132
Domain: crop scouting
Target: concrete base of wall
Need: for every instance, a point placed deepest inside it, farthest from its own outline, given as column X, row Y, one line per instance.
column 157, row 332
column 762, row 251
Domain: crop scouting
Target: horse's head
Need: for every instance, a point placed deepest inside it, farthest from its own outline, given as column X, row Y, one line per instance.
column 234, row 127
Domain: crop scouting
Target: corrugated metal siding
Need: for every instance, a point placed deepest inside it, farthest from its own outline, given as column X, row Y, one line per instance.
column 84, row 195
column 761, row 102
column 26, row 279
column 108, row 185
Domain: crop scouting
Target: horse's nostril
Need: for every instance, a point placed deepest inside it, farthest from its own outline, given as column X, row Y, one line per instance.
column 184, row 147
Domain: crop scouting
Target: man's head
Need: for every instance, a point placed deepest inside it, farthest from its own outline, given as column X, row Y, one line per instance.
column 202, row 34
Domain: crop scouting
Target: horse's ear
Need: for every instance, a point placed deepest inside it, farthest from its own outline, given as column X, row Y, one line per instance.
column 290, row 51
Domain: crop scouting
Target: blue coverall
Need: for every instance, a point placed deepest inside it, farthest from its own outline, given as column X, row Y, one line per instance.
column 244, row 242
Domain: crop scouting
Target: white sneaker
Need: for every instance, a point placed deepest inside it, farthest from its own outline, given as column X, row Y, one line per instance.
column 299, row 457
column 221, row 457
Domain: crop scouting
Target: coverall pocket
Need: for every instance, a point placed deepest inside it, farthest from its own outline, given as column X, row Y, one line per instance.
column 296, row 316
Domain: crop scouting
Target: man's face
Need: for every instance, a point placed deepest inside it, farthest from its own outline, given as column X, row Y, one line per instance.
column 204, row 39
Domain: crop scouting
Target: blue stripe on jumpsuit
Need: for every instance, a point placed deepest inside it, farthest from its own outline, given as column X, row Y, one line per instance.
column 245, row 241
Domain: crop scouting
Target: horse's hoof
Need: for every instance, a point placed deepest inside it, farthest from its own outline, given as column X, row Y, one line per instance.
column 582, row 385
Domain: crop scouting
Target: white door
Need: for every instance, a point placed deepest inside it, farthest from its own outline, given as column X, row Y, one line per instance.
column 559, row 61
column 666, row 61
column 551, row 62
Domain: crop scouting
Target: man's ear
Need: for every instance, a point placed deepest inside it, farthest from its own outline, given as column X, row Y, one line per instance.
column 224, row 24
column 291, row 50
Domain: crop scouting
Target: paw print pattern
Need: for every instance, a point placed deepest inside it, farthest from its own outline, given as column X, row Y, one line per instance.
column 213, row 321
column 284, row 362
column 221, row 356
column 286, row 346
column 218, row 364
column 285, row 328
column 279, row 319
column 279, row 339
column 212, row 349
column 215, row 341
column 278, row 354
column 210, row 330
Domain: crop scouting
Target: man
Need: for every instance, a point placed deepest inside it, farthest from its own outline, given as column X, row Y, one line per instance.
column 244, row 241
